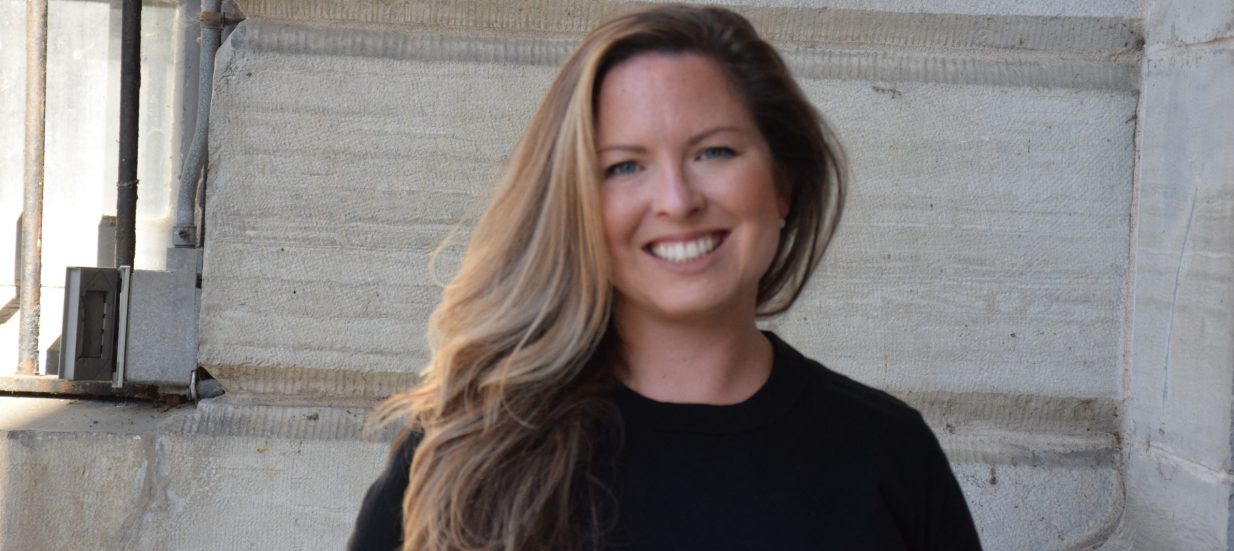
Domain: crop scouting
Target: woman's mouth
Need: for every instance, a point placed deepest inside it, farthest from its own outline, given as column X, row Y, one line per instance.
column 686, row 251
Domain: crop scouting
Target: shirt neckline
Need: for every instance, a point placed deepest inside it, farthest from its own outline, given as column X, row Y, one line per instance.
column 777, row 395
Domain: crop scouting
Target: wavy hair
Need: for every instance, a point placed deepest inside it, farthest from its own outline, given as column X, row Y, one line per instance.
column 514, row 400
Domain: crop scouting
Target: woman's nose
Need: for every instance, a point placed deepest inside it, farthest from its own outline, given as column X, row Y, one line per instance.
column 677, row 194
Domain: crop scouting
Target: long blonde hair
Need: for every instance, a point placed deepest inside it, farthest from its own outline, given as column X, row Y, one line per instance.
column 515, row 397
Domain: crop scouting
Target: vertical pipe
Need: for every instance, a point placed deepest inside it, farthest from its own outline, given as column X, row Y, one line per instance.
column 130, row 85
column 184, row 234
column 32, row 190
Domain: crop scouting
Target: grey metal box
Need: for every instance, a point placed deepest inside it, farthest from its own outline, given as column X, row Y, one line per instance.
column 160, row 336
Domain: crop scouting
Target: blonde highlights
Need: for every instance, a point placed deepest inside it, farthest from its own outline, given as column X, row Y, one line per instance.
column 515, row 396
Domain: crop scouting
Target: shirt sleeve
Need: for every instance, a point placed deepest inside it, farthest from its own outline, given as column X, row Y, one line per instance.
column 933, row 512
column 379, row 526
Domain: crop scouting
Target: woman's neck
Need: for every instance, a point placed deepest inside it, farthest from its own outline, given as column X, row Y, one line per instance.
column 716, row 362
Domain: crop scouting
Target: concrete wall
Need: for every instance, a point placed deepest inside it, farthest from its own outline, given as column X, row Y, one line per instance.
column 1181, row 382
column 81, row 475
column 1036, row 253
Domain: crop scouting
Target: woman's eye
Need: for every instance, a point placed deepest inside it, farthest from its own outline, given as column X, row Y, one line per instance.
column 621, row 169
column 717, row 153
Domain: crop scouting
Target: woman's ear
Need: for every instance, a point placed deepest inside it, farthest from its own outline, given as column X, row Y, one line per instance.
column 784, row 194
column 784, row 191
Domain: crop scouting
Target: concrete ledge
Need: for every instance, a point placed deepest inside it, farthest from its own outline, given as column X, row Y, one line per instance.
column 854, row 57
column 832, row 25
column 1016, row 412
column 293, row 385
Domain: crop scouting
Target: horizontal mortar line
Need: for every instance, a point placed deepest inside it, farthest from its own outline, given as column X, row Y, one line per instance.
column 884, row 65
column 1164, row 51
column 1031, row 450
column 1020, row 411
column 1199, row 470
column 327, row 241
column 206, row 357
column 775, row 23
column 1001, row 425
column 296, row 422
column 269, row 243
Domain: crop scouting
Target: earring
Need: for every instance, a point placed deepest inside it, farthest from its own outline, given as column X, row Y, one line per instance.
column 782, row 223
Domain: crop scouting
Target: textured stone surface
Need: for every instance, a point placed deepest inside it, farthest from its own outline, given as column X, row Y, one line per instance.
column 69, row 461
column 1192, row 22
column 984, row 243
column 515, row 13
column 1032, row 508
column 1179, row 479
column 1173, row 503
column 130, row 476
column 1184, row 303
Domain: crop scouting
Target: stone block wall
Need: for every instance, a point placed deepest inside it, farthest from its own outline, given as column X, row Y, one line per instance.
column 1181, row 380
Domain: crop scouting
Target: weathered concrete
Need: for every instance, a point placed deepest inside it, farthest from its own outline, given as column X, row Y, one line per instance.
column 62, row 459
column 139, row 478
column 1180, row 387
column 1183, row 23
column 1173, row 503
column 513, row 14
column 984, row 244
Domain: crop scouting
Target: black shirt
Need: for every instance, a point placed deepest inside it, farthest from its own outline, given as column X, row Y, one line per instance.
column 813, row 460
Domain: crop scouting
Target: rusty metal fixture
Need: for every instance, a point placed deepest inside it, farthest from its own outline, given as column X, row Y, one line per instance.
column 32, row 190
column 130, row 88
column 43, row 385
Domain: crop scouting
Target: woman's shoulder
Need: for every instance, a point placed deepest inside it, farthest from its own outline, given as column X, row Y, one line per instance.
column 379, row 522
column 830, row 393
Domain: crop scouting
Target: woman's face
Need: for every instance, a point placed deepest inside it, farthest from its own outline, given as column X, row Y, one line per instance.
column 691, row 209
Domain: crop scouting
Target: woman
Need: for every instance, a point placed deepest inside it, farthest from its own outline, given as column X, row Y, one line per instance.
column 597, row 378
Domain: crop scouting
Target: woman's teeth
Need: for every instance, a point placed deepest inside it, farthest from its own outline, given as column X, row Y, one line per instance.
column 681, row 252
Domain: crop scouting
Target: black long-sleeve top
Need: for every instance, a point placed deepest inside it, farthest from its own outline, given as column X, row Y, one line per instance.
column 813, row 460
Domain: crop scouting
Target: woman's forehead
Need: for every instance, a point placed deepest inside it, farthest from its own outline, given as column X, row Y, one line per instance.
column 662, row 95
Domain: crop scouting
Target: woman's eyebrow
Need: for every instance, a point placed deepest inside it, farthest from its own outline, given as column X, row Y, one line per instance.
column 708, row 133
column 627, row 148
column 694, row 140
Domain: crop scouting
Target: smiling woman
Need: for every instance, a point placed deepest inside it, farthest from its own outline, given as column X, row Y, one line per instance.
column 598, row 380
column 692, row 218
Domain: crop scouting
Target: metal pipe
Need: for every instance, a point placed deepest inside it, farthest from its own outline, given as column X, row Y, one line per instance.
column 231, row 16
column 32, row 190
column 130, row 88
column 184, row 234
